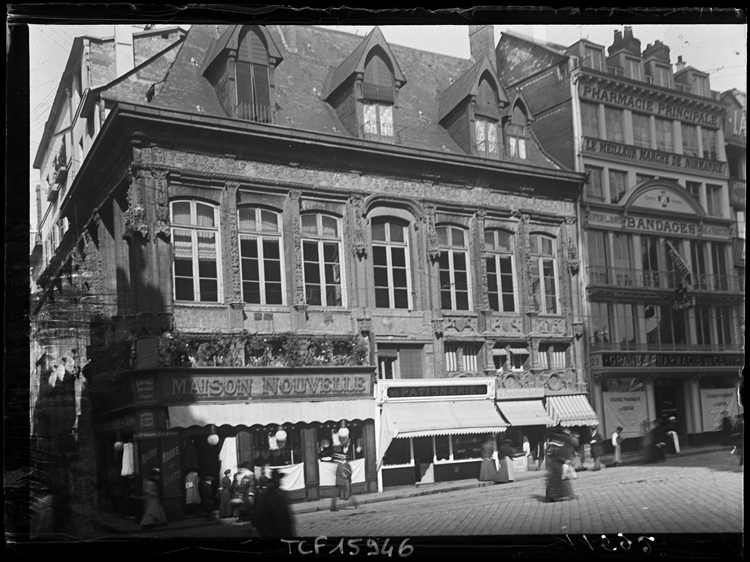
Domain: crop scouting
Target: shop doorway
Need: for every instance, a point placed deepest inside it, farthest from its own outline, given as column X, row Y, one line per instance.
column 667, row 398
column 423, row 456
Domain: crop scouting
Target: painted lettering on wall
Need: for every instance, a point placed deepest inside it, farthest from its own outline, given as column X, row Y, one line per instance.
column 424, row 391
column 642, row 104
column 301, row 385
column 610, row 360
column 145, row 389
column 147, row 456
column 214, row 387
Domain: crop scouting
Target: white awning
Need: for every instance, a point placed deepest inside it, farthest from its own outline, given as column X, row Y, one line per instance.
column 571, row 410
column 499, row 351
column 524, row 412
column 442, row 417
column 265, row 413
column 519, row 350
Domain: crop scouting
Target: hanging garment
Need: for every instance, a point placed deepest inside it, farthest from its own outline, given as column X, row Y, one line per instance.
column 191, row 489
column 228, row 457
column 128, row 465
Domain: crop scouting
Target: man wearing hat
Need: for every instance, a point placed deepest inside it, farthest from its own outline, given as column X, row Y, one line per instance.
column 205, row 488
column 617, row 444
column 342, row 454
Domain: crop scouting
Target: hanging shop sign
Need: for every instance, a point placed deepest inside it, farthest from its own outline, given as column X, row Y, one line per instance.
column 624, row 360
column 679, row 263
column 649, row 156
column 683, row 304
column 628, row 101
column 737, row 193
column 244, row 387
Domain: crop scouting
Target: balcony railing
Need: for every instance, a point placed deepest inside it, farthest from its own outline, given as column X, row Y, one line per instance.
column 653, row 347
column 668, row 280
column 256, row 113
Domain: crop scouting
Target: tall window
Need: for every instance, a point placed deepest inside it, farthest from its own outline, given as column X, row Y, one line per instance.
column 689, row 140
column 641, row 130
column 377, row 93
column 321, row 257
column 390, row 256
column 694, row 188
column 399, row 362
column 662, row 75
column 664, row 326
column 454, row 268
column 650, row 260
column 260, row 256
column 702, row 325
column 700, row 86
column 719, row 264
column 485, row 137
column 553, row 356
column 594, row 185
column 713, row 200
column 599, row 256
column 501, row 281
column 698, row 259
column 633, row 69
column 590, row 120
column 592, row 58
column 252, row 77
column 461, row 357
column 664, row 135
column 724, row 326
column 613, row 124
column 195, row 239
column 708, row 136
column 625, row 330
column 544, row 273
column 617, row 185
column 600, row 324
column 516, row 134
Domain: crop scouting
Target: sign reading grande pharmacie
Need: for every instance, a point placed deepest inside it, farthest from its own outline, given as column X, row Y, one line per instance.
column 650, row 156
column 243, row 387
column 621, row 360
column 639, row 103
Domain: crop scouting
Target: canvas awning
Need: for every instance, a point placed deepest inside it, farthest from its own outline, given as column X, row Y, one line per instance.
column 265, row 413
column 571, row 410
column 524, row 412
column 519, row 350
column 422, row 419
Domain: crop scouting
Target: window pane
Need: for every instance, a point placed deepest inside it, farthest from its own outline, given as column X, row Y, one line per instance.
column 386, row 120
column 457, row 237
column 272, row 269
column 209, row 290
column 381, row 298
column 442, row 235
column 399, row 278
column 489, row 240
column 310, row 251
column 331, row 253
column 381, row 276
column 183, row 268
column 181, row 212
column 206, row 215
column 398, row 257
column 312, row 273
column 183, row 289
column 310, row 224
column 247, row 218
column 207, row 268
column 183, row 244
column 269, row 220
column 250, row 270
column 273, row 293
column 312, row 295
column 371, row 119
column 547, row 247
column 378, row 231
column 333, row 295
column 206, row 245
column 251, row 292
column 379, row 255
column 613, row 123
column 330, row 226
column 462, row 300
column 397, row 232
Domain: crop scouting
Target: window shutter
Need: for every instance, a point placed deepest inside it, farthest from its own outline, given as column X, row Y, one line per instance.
column 378, row 81
column 244, row 82
column 262, row 86
column 259, row 53
column 410, row 360
column 486, row 100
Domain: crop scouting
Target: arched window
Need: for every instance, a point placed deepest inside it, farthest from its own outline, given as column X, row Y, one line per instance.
column 391, row 265
column 486, row 117
column 501, row 278
column 195, row 242
column 516, row 133
column 252, row 77
column 321, row 256
column 454, row 268
column 377, row 98
column 543, row 258
column 261, row 256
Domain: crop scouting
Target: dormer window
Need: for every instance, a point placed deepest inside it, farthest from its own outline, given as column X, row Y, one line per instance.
column 486, row 117
column 700, row 86
column 252, row 77
column 593, row 58
column 485, row 134
column 632, row 68
column 662, row 76
column 515, row 136
column 377, row 99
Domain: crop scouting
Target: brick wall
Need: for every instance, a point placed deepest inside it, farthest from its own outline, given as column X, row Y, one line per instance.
column 145, row 47
column 102, row 63
column 555, row 133
column 346, row 107
column 519, row 59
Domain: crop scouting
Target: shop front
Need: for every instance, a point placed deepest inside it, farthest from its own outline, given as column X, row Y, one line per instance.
column 432, row 430
column 524, row 411
column 200, row 422
column 697, row 389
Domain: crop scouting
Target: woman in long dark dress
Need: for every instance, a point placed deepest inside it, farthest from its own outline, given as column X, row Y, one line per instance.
column 505, row 455
column 153, row 514
column 558, row 452
column 225, row 502
column 488, row 471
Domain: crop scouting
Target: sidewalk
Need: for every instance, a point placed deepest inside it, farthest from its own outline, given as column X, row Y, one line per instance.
column 114, row 523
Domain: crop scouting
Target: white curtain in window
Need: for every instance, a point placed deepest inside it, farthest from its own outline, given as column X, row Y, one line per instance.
column 386, row 120
column 205, row 215
column 183, row 245
column 451, row 358
column 206, row 245
column 491, row 138
column 371, row 119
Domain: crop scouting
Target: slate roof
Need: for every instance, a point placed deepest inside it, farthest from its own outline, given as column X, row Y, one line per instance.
column 301, row 77
column 466, row 85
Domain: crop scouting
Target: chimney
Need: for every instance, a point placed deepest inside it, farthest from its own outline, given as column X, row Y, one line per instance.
column 627, row 42
column 680, row 64
column 482, row 42
column 124, row 59
column 658, row 51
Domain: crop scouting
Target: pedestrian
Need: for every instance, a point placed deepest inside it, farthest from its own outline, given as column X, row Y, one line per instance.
column 226, row 491
column 659, row 443
column 540, row 450
column 617, row 440
column 738, row 434
column 597, row 447
column 153, row 512
column 670, row 431
column 205, row 489
column 557, row 454
column 342, row 454
column 272, row 515
column 726, row 428
column 488, row 470
column 505, row 455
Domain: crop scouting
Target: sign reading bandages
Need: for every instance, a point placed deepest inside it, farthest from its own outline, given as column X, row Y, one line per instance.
column 679, row 262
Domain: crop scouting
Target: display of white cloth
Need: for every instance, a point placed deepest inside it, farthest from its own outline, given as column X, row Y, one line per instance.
column 675, row 439
column 128, row 463
column 228, row 457
column 294, row 476
column 327, row 472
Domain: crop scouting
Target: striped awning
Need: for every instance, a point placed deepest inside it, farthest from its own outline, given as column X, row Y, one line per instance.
column 524, row 412
column 422, row 419
column 570, row 410
column 519, row 350
column 499, row 351
column 265, row 413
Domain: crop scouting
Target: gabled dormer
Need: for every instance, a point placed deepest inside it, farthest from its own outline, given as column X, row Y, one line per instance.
column 516, row 132
column 657, row 65
column 240, row 67
column 691, row 80
column 590, row 54
column 363, row 90
column 471, row 108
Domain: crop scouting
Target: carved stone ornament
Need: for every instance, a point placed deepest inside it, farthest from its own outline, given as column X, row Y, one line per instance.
column 438, row 327
column 161, row 200
column 578, row 330
column 365, row 325
column 433, row 249
column 359, row 235
column 135, row 215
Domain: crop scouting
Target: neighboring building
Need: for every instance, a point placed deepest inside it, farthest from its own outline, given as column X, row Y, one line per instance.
column 290, row 217
column 664, row 299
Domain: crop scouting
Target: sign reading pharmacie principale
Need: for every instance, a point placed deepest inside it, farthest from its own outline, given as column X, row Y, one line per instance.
column 181, row 388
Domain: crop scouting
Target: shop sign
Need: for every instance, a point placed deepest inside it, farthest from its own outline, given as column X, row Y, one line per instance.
column 145, row 389
column 619, row 360
column 119, row 423
column 518, row 393
column 683, row 304
column 642, row 224
column 642, row 104
column 267, row 387
column 156, row 434
column 146, row 419
column 434, row 391
column 650, row 156
column 738, row 193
